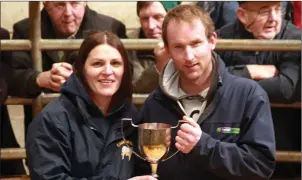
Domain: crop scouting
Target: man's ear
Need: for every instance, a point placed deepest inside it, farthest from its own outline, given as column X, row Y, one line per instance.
column 45, row 4
column 213, row 40
column 167, row 49
column 241, row 15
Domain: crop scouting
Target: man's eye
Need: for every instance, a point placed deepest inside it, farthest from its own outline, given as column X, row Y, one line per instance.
column 59, row 5
column 264, row 11
column 178, row 47
column 144, row 18
column 158, row 17
column 75, row 4
column 196, row 44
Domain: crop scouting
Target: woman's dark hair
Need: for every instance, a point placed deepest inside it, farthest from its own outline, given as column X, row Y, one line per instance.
column 94, row 39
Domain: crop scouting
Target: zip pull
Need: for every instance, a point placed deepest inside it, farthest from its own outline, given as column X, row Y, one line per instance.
column 92, row 128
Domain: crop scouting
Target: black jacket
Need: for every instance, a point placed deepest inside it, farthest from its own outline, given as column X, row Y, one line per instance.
column 237, row 103
column 5, row 69
column 71, row 138
column 7, row 138
column 284, row 88
column 24, row 75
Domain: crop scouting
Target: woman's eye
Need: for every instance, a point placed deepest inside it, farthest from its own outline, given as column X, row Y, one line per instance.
column 97, row 64
column 116, row 63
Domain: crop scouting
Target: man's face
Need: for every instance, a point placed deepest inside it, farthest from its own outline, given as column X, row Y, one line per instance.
column 151, row 20
column 265, row 18
column 190, row 49
column 66, row 16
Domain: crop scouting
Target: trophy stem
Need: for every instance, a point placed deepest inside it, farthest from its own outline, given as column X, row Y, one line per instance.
column 154, row 169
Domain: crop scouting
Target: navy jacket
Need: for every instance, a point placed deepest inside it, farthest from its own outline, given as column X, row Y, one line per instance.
column 71, row 139
column 237, row 103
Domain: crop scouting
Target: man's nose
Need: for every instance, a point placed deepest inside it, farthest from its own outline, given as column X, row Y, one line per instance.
column 68, row 10
column 151, row 23
column 273, row 15
column 189, row 55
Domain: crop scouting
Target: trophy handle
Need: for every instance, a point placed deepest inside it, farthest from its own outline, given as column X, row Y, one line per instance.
column 173, row 127
column 122, row 128
column 180, row 121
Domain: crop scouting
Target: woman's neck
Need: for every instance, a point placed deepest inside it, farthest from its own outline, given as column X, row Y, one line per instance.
column 102, row 102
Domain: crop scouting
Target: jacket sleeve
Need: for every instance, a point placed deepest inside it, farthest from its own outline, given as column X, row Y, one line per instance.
column 145, row 75
column 252, row 157
column 120, row 29
column 24, row 75
column 282, row 88
column 49, row 149
column 5, row 69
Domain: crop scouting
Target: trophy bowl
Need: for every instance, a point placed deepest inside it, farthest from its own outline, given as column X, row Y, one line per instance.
column 154, row 142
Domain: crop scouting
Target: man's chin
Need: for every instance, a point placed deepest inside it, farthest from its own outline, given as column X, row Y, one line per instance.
column 154, row 36
column 269, row 36
column 69, row 32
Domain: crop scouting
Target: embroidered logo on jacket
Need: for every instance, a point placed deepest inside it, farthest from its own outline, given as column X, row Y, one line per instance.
column 126, row 151
column 228, row 130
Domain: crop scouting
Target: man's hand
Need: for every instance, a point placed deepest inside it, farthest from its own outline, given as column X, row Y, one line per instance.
column 162, row 57
column 54, row 78
column 259, row 72
column 188, row 135
column 143, row 178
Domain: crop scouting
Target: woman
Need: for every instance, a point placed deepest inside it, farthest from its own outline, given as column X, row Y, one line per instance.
column 78, row 135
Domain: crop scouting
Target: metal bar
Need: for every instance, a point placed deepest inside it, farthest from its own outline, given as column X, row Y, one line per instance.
column 148, row 44
column 36, row 53
column 296, row 105
column 288, row 156
column 138, row 99
column 15, row 45
column 281, row 156
column 22, row 177
column 13, row 153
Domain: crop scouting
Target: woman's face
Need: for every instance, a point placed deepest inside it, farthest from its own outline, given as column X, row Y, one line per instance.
column 103, row 71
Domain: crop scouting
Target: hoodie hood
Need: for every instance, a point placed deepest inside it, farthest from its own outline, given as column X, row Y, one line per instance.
column 74, row 88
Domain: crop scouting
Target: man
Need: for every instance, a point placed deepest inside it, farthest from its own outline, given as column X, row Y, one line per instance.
column 278, row 73
column 149, row 64
column 59, row 20
column 229, row 132
column 7, row 138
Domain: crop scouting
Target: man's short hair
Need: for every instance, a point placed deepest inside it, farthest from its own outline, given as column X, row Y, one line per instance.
column 141, row 5
column 166, row 4
column 188, row 13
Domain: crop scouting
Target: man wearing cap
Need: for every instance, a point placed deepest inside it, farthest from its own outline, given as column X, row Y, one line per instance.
column 277, row 72
column 149, row 64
